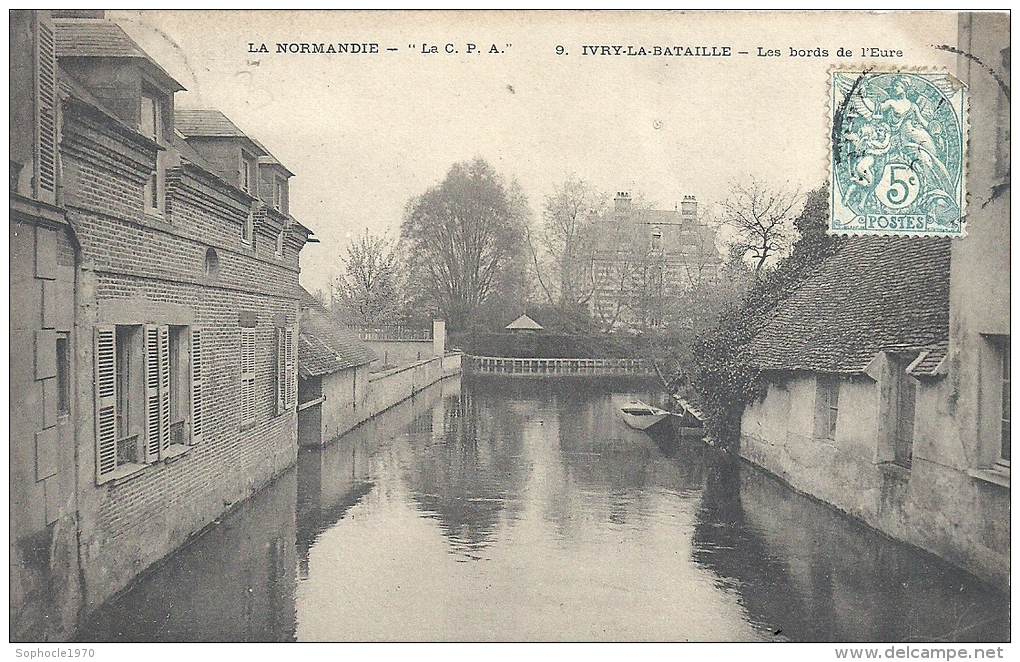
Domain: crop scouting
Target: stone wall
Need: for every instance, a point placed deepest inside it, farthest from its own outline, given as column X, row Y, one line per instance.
column 935, row 504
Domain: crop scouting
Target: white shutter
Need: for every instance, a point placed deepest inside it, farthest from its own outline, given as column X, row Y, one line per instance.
column 291, row 388
column 151, row 375
column 247, row 374
column 164, row 387
column 281, row 371
column 196, row 386
column 106, row 400
column 46, row 112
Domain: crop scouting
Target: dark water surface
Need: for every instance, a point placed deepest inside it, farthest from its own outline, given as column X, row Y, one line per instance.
column 526, row 510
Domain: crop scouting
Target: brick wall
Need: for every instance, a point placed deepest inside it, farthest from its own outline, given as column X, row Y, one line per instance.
column 136, row 265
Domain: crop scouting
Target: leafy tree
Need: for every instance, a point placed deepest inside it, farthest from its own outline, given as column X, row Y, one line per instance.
column 465, row 239
column 761, row 218
column 709, row 370
column 368, row 290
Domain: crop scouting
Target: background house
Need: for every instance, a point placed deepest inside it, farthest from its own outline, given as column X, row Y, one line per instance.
column 645, row 257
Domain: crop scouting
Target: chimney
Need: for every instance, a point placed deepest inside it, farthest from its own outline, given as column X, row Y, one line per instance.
column 689, row 207
column 622, row 201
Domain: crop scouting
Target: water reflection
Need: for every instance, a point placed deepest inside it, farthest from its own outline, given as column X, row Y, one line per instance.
column 233, row 583
column 523, row 510
column 467, row 468
column 808, row 574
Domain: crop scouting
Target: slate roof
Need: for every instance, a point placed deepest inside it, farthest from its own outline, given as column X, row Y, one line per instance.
column 877, row 293
column 202, row 123
column 211, row 123
column 100, row 38
column 326, row 345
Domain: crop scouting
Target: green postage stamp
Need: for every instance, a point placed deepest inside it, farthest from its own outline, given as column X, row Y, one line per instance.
column 898, row 153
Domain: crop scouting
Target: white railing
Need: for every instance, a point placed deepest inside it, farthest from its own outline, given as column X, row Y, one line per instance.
column 396, row 332
column 495, row 365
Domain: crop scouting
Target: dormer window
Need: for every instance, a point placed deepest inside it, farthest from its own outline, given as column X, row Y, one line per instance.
column 248, row 178
column 279, row 185
column 151, row 126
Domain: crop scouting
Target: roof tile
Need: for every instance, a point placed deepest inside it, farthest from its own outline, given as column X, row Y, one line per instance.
column 876, row 293
column 327, row 346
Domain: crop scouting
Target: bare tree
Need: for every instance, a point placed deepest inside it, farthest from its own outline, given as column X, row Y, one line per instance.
column 367, row 291
column 762, row 218
column 568, row 235
column 465, row 239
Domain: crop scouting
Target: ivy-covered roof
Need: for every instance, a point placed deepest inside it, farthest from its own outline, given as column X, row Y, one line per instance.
column 876, row 293
column 327, row 346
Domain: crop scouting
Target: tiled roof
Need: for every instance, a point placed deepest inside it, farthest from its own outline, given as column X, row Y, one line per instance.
column 209, row 123
column 92, row 38
column 876, row 293
column 205, row 124
column 327, row 346
column 99, row 38
column 929, row 362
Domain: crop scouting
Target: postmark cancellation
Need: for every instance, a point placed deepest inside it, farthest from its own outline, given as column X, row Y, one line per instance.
column 897, row 153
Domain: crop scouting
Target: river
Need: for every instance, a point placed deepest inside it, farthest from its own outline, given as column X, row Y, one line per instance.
column 508, row 510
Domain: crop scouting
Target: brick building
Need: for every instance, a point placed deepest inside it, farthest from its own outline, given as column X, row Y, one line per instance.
column 157, row 282
column 644, row 257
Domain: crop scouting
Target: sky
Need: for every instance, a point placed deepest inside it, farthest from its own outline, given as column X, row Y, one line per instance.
column 363, row 133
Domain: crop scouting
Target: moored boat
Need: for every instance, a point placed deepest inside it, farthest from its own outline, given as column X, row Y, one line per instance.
column 689, row 421
column 641, row 416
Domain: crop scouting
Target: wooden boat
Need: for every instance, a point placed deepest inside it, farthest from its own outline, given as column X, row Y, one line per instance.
column 690, row 421
column 640, row 416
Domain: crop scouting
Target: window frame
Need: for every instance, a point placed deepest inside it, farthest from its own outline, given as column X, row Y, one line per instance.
column 248, row 229
column 63, row 359
column 247, row 377
column 154, row 190
column 134, row 390
column 827, row 391
column 249, row 176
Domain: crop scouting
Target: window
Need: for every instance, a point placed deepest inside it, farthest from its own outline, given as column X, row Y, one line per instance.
column 63, row 376
column 286, row 391
column 827, row 411
column 248, row 179
column 151, row 126
column 280, row 195
column 145, row 381
column 247, row 363
column 248, row 231
column 656, row 239
column 279, row 243
column 128, row 372
column 180, row 384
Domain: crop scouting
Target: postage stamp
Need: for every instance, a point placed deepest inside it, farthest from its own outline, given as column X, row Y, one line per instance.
column 898, row 153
